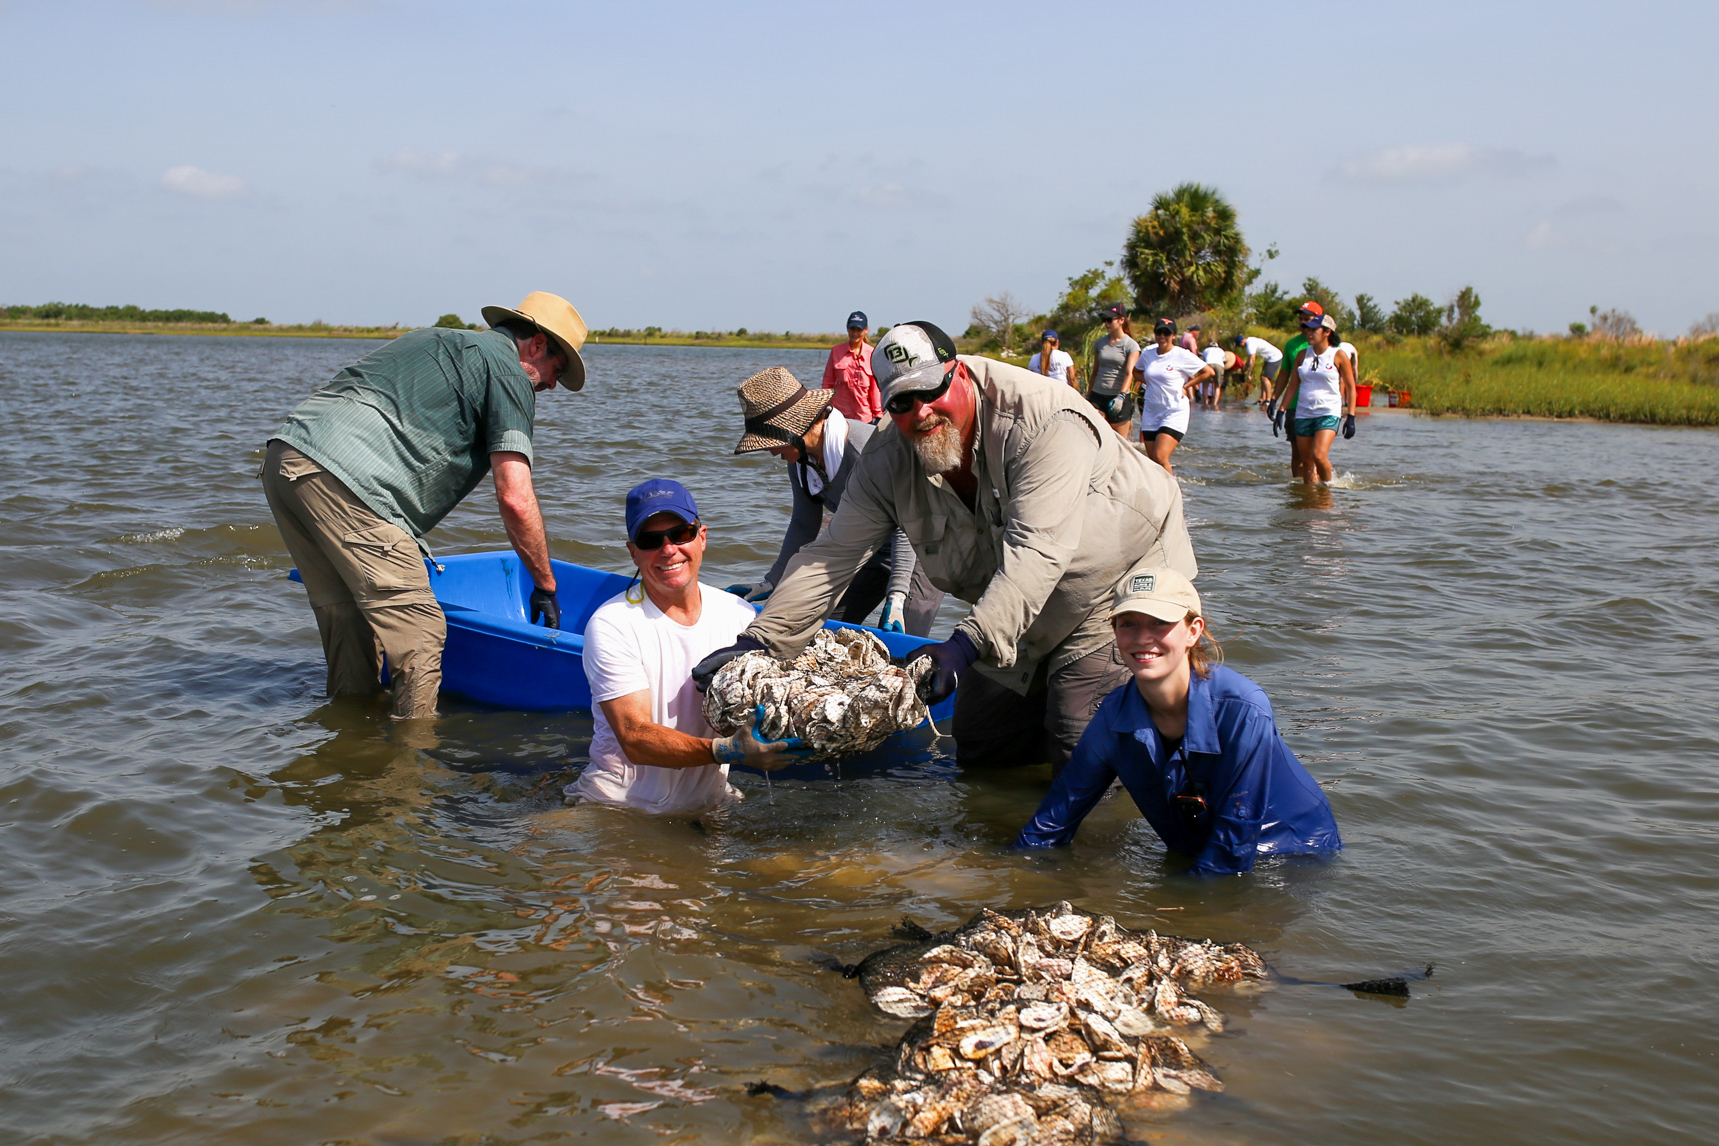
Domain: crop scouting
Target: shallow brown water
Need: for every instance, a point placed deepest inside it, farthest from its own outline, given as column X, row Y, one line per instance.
column 233, row 912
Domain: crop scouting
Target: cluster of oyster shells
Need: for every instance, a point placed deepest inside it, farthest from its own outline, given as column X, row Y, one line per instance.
column 842, row 695
column 1032, row 1024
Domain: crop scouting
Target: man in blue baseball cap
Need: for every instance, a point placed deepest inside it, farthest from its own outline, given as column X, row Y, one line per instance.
column 651, row 747
column 848, row 373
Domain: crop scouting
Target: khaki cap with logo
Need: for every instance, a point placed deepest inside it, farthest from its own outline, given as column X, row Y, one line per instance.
column 1157, row 592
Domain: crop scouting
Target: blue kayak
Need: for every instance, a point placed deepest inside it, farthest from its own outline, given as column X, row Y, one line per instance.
column 496, row 656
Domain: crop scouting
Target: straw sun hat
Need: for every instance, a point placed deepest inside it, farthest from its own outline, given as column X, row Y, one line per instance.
column 554, row 316
column 778, row 410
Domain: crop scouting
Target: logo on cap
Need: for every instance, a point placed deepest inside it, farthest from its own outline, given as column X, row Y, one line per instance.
column 899, row 354
column 1143, row 583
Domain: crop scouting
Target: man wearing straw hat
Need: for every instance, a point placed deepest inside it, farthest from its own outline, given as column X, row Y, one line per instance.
column 822, row 448
column 367, row 465
column 1018, row 498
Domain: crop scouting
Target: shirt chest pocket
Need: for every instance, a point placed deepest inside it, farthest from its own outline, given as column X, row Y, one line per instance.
column 952, row 548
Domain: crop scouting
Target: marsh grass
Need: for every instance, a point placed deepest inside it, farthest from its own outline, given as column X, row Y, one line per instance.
column 222, row 329
column 1662, row 383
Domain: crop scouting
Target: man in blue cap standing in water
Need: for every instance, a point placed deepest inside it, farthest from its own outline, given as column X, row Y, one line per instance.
column 367, row 465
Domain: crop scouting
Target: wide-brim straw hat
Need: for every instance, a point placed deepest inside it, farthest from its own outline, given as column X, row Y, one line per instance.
column 778, row 409
column 554, row 316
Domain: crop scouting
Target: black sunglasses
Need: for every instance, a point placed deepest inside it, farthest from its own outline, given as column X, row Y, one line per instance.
column 903, row 403
column 681, row 534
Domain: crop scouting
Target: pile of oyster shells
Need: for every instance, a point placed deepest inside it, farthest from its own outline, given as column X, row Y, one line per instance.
column 841, row 695
column 1033, row 1025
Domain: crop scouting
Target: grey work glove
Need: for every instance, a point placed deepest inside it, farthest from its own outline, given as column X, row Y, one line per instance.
column 749, row 748
column 753, row 593
column 543, row 601
column 1277, row 421
column 706, row 668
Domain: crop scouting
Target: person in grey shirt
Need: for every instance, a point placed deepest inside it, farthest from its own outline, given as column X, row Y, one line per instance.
column 1112, row 390
column 822, row 447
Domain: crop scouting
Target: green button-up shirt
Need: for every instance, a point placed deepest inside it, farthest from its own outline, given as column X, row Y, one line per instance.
column 410, row 426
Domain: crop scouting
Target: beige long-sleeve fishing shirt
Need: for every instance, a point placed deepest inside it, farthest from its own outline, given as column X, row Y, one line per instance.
column 1064, row 508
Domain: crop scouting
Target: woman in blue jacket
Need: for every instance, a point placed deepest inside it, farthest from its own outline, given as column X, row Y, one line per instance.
column 1193, row 742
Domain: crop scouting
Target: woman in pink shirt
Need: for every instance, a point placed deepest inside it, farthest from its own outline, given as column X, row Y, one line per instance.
column 848, row 373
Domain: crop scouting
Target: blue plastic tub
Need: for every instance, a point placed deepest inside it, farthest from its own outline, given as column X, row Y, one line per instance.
column 496, row 656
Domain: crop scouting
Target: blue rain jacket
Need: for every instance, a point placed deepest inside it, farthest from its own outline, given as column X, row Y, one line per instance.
column 1259, row 800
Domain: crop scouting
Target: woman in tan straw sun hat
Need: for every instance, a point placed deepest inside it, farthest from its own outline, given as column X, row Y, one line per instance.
column 821, row 446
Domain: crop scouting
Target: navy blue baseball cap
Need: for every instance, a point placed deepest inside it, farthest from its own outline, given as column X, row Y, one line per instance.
column 857, row 321
column 1050, row 334
column 659, row 495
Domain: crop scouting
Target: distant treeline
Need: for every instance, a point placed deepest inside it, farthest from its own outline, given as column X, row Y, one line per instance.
column 79, row 312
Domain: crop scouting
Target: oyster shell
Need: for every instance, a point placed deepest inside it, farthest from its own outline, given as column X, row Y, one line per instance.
column 1051, row 1014
column 841, row 695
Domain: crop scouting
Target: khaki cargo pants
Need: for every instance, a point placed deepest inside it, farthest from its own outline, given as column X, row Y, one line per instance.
column 367, row 584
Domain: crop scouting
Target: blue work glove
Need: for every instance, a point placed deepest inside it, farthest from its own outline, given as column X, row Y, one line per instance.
column 948, row 661
column 749, row 747
column 752, row 592
column 706, row 668
column 543, row 602
column 1349, row 426
column 1277, row 421
column 890, row 619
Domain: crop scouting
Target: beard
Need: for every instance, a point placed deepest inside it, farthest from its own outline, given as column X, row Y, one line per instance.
column 939, row 451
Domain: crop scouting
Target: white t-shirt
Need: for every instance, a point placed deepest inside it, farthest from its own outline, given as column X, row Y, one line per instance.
column 632, row 647
column 1214, row 356
column 1162, row 403
column 1321, row 388
column 1354, row 356
column 1265, row 350
column 1061, row 363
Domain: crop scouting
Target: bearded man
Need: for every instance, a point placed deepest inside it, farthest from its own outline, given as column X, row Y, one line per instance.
column 1017, row 498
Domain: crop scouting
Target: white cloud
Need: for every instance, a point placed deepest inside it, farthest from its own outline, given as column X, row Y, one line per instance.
column 1439, row 163
column 203, row 184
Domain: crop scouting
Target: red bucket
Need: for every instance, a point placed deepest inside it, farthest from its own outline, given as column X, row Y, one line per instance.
column 1363, row 397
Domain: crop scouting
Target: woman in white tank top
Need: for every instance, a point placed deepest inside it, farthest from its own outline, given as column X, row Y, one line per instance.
column 1322, row 391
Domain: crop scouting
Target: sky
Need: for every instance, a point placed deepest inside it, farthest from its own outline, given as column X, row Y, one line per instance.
column 774, row 166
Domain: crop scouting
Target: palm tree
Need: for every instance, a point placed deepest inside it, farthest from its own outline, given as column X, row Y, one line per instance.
column 1186, row 254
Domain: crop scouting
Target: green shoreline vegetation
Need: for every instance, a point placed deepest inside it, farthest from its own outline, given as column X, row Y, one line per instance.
column 77, row 318
column 1450, row 361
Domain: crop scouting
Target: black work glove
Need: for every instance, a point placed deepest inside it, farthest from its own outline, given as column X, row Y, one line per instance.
column 1271, row 408
column 1277, row 421
column 706, row 668
column 948, row 661
column 543, row 601
column 1349, row 426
